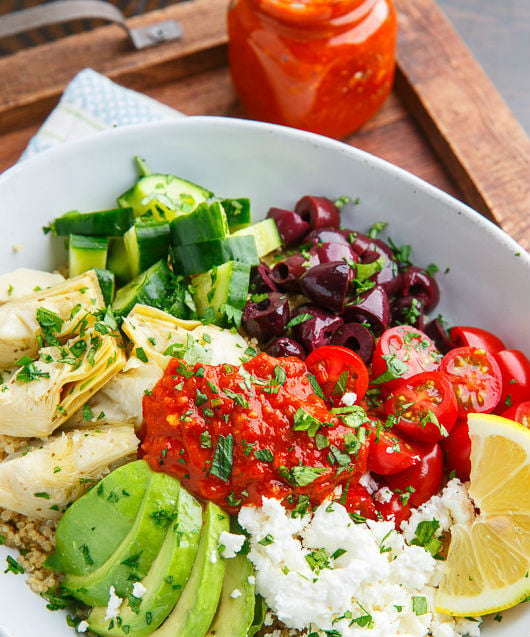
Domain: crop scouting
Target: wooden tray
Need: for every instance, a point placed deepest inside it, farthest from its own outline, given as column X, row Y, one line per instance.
column 444, row 122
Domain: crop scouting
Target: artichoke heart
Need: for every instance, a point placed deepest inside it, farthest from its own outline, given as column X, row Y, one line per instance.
column 24, row 281
column 42, row 394
column 41, row 482
column 162, row 336
column 70, row 303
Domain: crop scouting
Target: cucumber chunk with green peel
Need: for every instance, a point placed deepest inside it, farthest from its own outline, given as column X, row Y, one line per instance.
column 103, row 223
column 196, row 607
column 166, row 579
column 133, row 557
column 146, row 242
column 201, row 257
column 204, row 223
column 107, row 283
column 153, row 287
column 94, row 526
column 224, row 285
column 86, row 253
column 237, row 212
column 117, row 260
column 266, row 235
column 163, row 196
column 235, row 613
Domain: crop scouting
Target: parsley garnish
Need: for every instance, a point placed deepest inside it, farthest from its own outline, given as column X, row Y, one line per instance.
column 50, row 324
column 301, row 475
column 223, row 458
column 304, row 421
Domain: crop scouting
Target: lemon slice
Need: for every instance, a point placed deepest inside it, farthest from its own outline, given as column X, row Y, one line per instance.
column 488, row 563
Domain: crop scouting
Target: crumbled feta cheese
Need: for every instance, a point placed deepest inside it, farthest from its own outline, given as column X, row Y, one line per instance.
column 349, row 399
column 139, row 590
column 235, row 593
column 368, row 483
column 383, row 495
column 114, row 604
column 251, row 580
column 232, row 544
column 213, row 557
column 82, row 627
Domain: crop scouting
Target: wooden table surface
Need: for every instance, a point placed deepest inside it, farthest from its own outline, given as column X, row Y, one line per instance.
column 445, row 120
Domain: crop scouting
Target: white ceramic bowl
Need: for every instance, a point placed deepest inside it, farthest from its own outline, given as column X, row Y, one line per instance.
column 484, row 275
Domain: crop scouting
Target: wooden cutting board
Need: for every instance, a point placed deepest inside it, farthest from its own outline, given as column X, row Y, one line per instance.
column 444, row 122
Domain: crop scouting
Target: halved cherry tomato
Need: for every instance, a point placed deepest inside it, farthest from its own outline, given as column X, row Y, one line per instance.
column 339, row 371
column 360, row 502
column 457, row 449
column 424, row 406
column 476, row 379
column 515, row 370
column 396, row 510
column 389, row 453
column 402, row 352
column 520, row 413
column 466, row 336
column 422, row 480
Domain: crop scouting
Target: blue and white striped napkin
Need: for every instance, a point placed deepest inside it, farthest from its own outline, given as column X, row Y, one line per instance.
column 92, row 103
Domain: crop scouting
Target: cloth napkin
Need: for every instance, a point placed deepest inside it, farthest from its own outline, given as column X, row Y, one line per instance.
column 91, row 103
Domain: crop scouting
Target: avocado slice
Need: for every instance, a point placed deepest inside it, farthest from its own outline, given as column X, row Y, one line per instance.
column 166, row 578
column 94, row 526
column 132, row 559
column 196, row 607
column 235, row 612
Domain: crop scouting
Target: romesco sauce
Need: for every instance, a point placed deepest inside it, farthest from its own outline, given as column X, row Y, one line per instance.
column 321, row 65
column 234, row 434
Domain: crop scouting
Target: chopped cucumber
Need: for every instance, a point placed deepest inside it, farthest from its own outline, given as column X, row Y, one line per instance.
column 146, row 242
column 163, row 196
column 204, row 223
column 201, row 257
column 104, row 223
column 155, row 287
column 86, row 253
column 118, row 261
column 237, row 213
column 225, row 285
column 107, row 284
column 266, row 235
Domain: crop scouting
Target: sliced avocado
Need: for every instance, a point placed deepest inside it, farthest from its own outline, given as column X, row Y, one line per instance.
column 132, row 559
column 166, row 578
column 196, row 607
column 235, row 612
column 94, row 526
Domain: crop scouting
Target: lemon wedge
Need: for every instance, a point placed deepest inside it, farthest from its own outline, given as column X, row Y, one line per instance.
column 488, row 563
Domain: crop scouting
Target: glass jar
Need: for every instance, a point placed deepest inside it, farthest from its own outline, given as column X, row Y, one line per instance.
column 321, row 65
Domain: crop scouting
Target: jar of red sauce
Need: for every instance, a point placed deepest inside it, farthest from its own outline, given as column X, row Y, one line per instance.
column 321, row 65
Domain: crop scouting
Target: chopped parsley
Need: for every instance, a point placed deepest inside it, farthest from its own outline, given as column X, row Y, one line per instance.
column 223, row 458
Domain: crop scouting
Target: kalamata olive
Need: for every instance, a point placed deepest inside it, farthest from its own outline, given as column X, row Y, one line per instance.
column 261, row 279
column 266, row 318
column 356, row 337
column 291, row 226
column 372, row 307
column 388, row 277
column 328, row 235
column 419, row 283
column 326, row 284
column 286, row 273
column 285, row 346
column 436, row 332
column 326, row 252
column 318, row 212
column 317, row 328
column 408, row 310
column 359, row 241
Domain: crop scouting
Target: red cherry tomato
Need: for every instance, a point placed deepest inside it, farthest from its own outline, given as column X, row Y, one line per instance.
column 465, row 336
column 424, row 406
column 457, row 449
column 396, row 510
column 422, row 480
column 476, row 379
column 359, row 502
column 515, row 370
column 520, row 413
column 339, row 371
column 389, row 453
column 402, row 352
